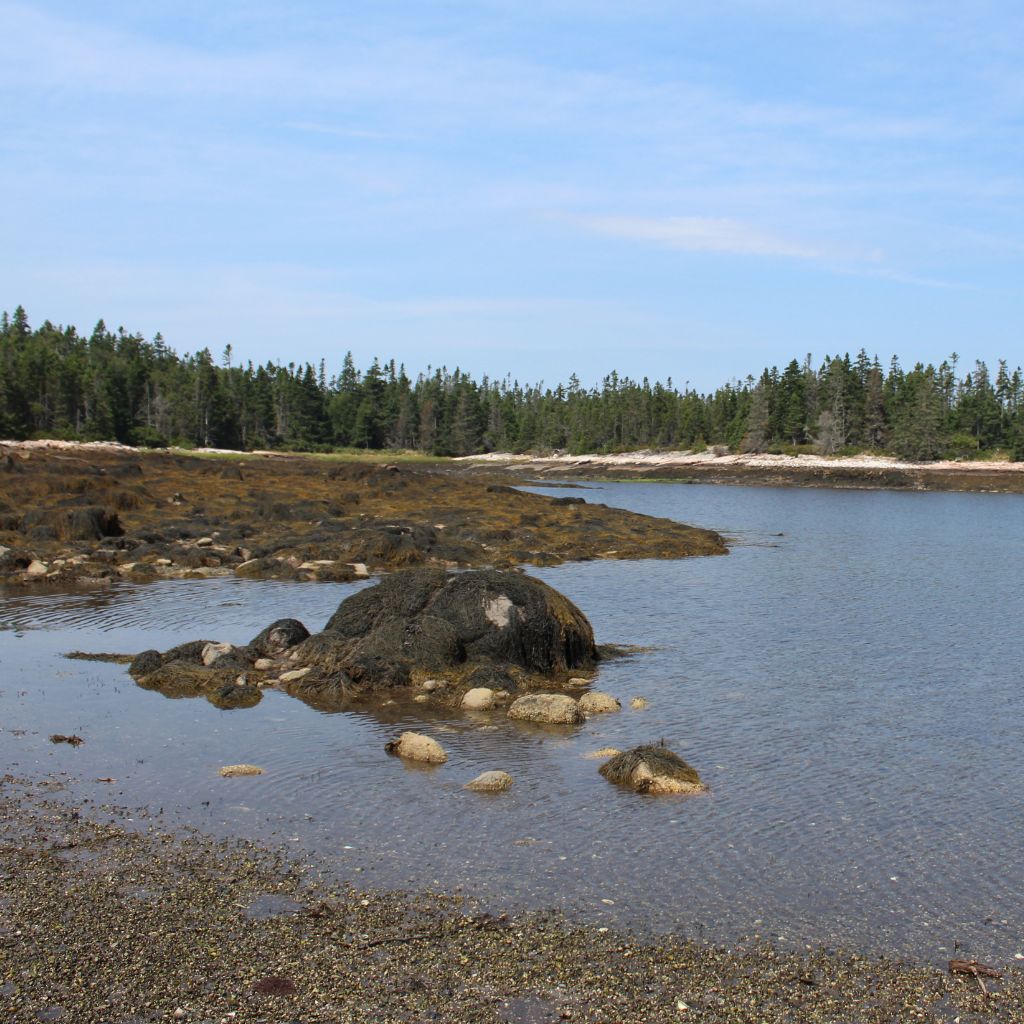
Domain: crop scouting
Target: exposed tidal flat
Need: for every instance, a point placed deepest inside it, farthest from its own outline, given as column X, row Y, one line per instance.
column 846, row 681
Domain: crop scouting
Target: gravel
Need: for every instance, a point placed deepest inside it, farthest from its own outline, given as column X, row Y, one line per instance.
column 120, row 922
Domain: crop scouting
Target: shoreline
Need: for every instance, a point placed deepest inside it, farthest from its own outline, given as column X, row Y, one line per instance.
column 867, row 472
column 104, row 921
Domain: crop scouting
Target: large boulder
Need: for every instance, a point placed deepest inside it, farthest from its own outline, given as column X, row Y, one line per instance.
column 427, row 620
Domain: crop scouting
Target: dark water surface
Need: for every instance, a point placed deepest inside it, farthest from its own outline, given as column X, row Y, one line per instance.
column 852, row 691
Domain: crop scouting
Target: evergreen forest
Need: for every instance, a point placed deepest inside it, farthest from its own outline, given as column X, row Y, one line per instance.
column 112, row 385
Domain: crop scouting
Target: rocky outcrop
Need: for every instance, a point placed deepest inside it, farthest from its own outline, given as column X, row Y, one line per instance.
column 467, row 639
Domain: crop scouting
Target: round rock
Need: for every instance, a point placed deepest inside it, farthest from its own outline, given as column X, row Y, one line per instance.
column 597, row 703
column 480, row 698
column 549, row 708
column 414, row 746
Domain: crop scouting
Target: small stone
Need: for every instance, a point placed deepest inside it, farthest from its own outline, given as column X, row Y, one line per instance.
column 263, row 664
column 430, row 685
column 164, row 562
column 422, row 698
column 639, row 703
column 490, row 782
column 577, row 681
column 211, row 652
column 231, row 771
column 247, row 564
column 180, row 1014
column 204, row 542
column 37, row 568
column 414, row 746
column 603, row 754
column 480, row 698
column 597, row 703
column 359, row 568
column 549, row 708
column 296, row 674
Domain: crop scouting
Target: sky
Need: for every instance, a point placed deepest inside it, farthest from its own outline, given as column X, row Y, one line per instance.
column 668, row 188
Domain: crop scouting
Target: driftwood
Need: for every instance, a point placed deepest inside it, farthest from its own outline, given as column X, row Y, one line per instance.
column 974, row 970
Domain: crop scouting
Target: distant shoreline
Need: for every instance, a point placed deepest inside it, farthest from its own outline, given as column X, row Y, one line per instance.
column 855, row 472
column 873, row 472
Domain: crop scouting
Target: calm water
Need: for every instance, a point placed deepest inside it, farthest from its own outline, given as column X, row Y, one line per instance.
column 848, row 681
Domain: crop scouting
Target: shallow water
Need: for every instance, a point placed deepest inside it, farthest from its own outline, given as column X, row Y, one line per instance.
column 851, row 691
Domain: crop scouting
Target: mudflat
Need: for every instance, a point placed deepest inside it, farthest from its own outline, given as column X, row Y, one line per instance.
column 74, row 513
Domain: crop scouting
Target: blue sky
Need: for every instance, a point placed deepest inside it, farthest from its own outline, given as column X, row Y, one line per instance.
column 685, row 189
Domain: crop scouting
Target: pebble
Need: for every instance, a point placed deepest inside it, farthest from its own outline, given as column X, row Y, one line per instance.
column 639, row 703
column 296, row 674
column 230, row 771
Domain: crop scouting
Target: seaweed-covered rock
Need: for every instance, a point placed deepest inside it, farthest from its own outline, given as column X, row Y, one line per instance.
column 652, row 769
column 66, row 524
column 278, row 637
column 232, row 696
column 464, row 631
column 429, row 620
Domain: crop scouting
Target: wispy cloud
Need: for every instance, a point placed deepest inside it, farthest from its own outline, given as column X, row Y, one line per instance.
column 704, row 234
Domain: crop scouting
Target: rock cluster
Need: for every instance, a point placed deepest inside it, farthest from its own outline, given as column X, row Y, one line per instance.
column 467, row 637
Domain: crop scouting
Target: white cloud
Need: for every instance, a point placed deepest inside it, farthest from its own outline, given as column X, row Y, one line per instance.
column 703, row 234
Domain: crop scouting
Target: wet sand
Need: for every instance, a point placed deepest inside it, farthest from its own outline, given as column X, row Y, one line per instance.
column 108, row 918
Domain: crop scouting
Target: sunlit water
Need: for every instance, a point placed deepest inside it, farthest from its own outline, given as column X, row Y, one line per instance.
column 848, row 681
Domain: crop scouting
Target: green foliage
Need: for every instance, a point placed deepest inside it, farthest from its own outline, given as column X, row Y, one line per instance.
column 113, row 385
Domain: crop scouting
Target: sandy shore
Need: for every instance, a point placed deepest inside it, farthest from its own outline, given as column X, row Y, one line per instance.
column 858, row 471
column 109, row 922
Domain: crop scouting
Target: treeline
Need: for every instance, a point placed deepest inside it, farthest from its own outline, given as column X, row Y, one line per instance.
column 112, row 385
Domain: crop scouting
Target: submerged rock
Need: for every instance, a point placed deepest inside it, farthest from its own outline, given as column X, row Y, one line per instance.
column 414, row 746
column 548, row 708
column 490, row 782
column 232, row 696
column 231, row 771
column 653, row 769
